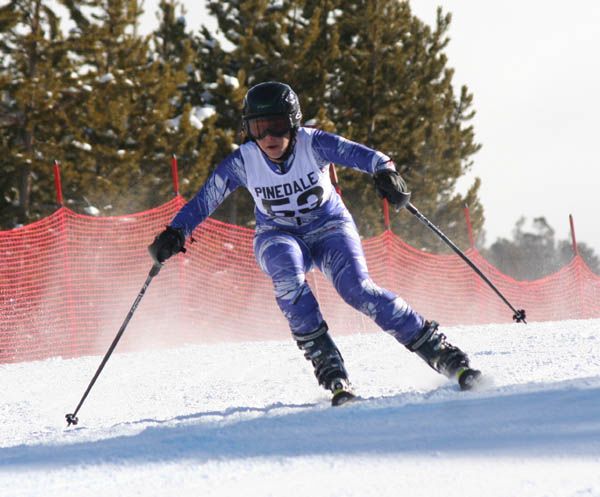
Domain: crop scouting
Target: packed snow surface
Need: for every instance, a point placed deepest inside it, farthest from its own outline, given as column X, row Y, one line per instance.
column 247, row 419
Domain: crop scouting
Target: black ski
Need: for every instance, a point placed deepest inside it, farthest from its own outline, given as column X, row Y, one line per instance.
column 469, row 379
column 342, row 397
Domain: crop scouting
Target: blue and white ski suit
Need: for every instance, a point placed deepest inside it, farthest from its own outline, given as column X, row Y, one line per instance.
column 301, row 221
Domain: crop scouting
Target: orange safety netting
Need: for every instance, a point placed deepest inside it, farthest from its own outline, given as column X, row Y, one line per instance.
column 68, row 281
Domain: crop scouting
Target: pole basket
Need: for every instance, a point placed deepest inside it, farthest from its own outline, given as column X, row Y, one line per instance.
column 71, row 420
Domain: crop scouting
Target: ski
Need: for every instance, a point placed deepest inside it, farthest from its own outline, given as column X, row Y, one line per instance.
column 342, row 397
column 469, row 379
column 342, row 392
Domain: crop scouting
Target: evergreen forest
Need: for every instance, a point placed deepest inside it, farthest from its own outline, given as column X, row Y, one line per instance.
column 112, row 104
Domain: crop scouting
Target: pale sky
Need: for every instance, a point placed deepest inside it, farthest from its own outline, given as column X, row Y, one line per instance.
column 534, row 69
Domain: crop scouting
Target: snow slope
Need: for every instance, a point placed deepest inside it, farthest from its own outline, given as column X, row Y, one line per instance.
column 248, row 419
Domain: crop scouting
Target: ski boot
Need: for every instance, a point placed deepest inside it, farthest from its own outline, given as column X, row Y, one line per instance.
column 443, row 357
column 318, row 347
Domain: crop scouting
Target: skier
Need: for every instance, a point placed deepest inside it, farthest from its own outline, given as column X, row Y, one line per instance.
column 300, row 222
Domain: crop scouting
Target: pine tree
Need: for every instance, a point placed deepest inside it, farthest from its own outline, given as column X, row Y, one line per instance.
column 394, row 93
column 176, row 46
column 35, row 82
column 253, row 29
column 287, row 41
column 314, row 51
column 122, row 129
column 98, row 100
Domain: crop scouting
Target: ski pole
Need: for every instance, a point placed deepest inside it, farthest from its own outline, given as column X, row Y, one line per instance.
column 72, row 418
column 519, row 315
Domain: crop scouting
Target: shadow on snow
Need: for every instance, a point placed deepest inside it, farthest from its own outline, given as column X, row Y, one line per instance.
column 537, row 420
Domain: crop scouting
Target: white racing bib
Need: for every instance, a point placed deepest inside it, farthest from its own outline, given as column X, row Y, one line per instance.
column 293, row 194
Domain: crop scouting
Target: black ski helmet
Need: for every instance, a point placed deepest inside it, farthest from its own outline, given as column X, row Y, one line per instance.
column 271, row 99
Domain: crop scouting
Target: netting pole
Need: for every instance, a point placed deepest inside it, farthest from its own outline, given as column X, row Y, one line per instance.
column 469, row 226
column 66, row 257
column 58, row 184
column 386, row 214
column 175, row 175
column 578, row 276
column 573, row 239
column 334, row 179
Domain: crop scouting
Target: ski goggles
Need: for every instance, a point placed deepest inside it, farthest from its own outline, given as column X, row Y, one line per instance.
column 260, row 127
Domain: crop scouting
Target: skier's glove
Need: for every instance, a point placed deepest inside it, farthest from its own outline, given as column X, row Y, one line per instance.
column 391, row 186
column 170, row 242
